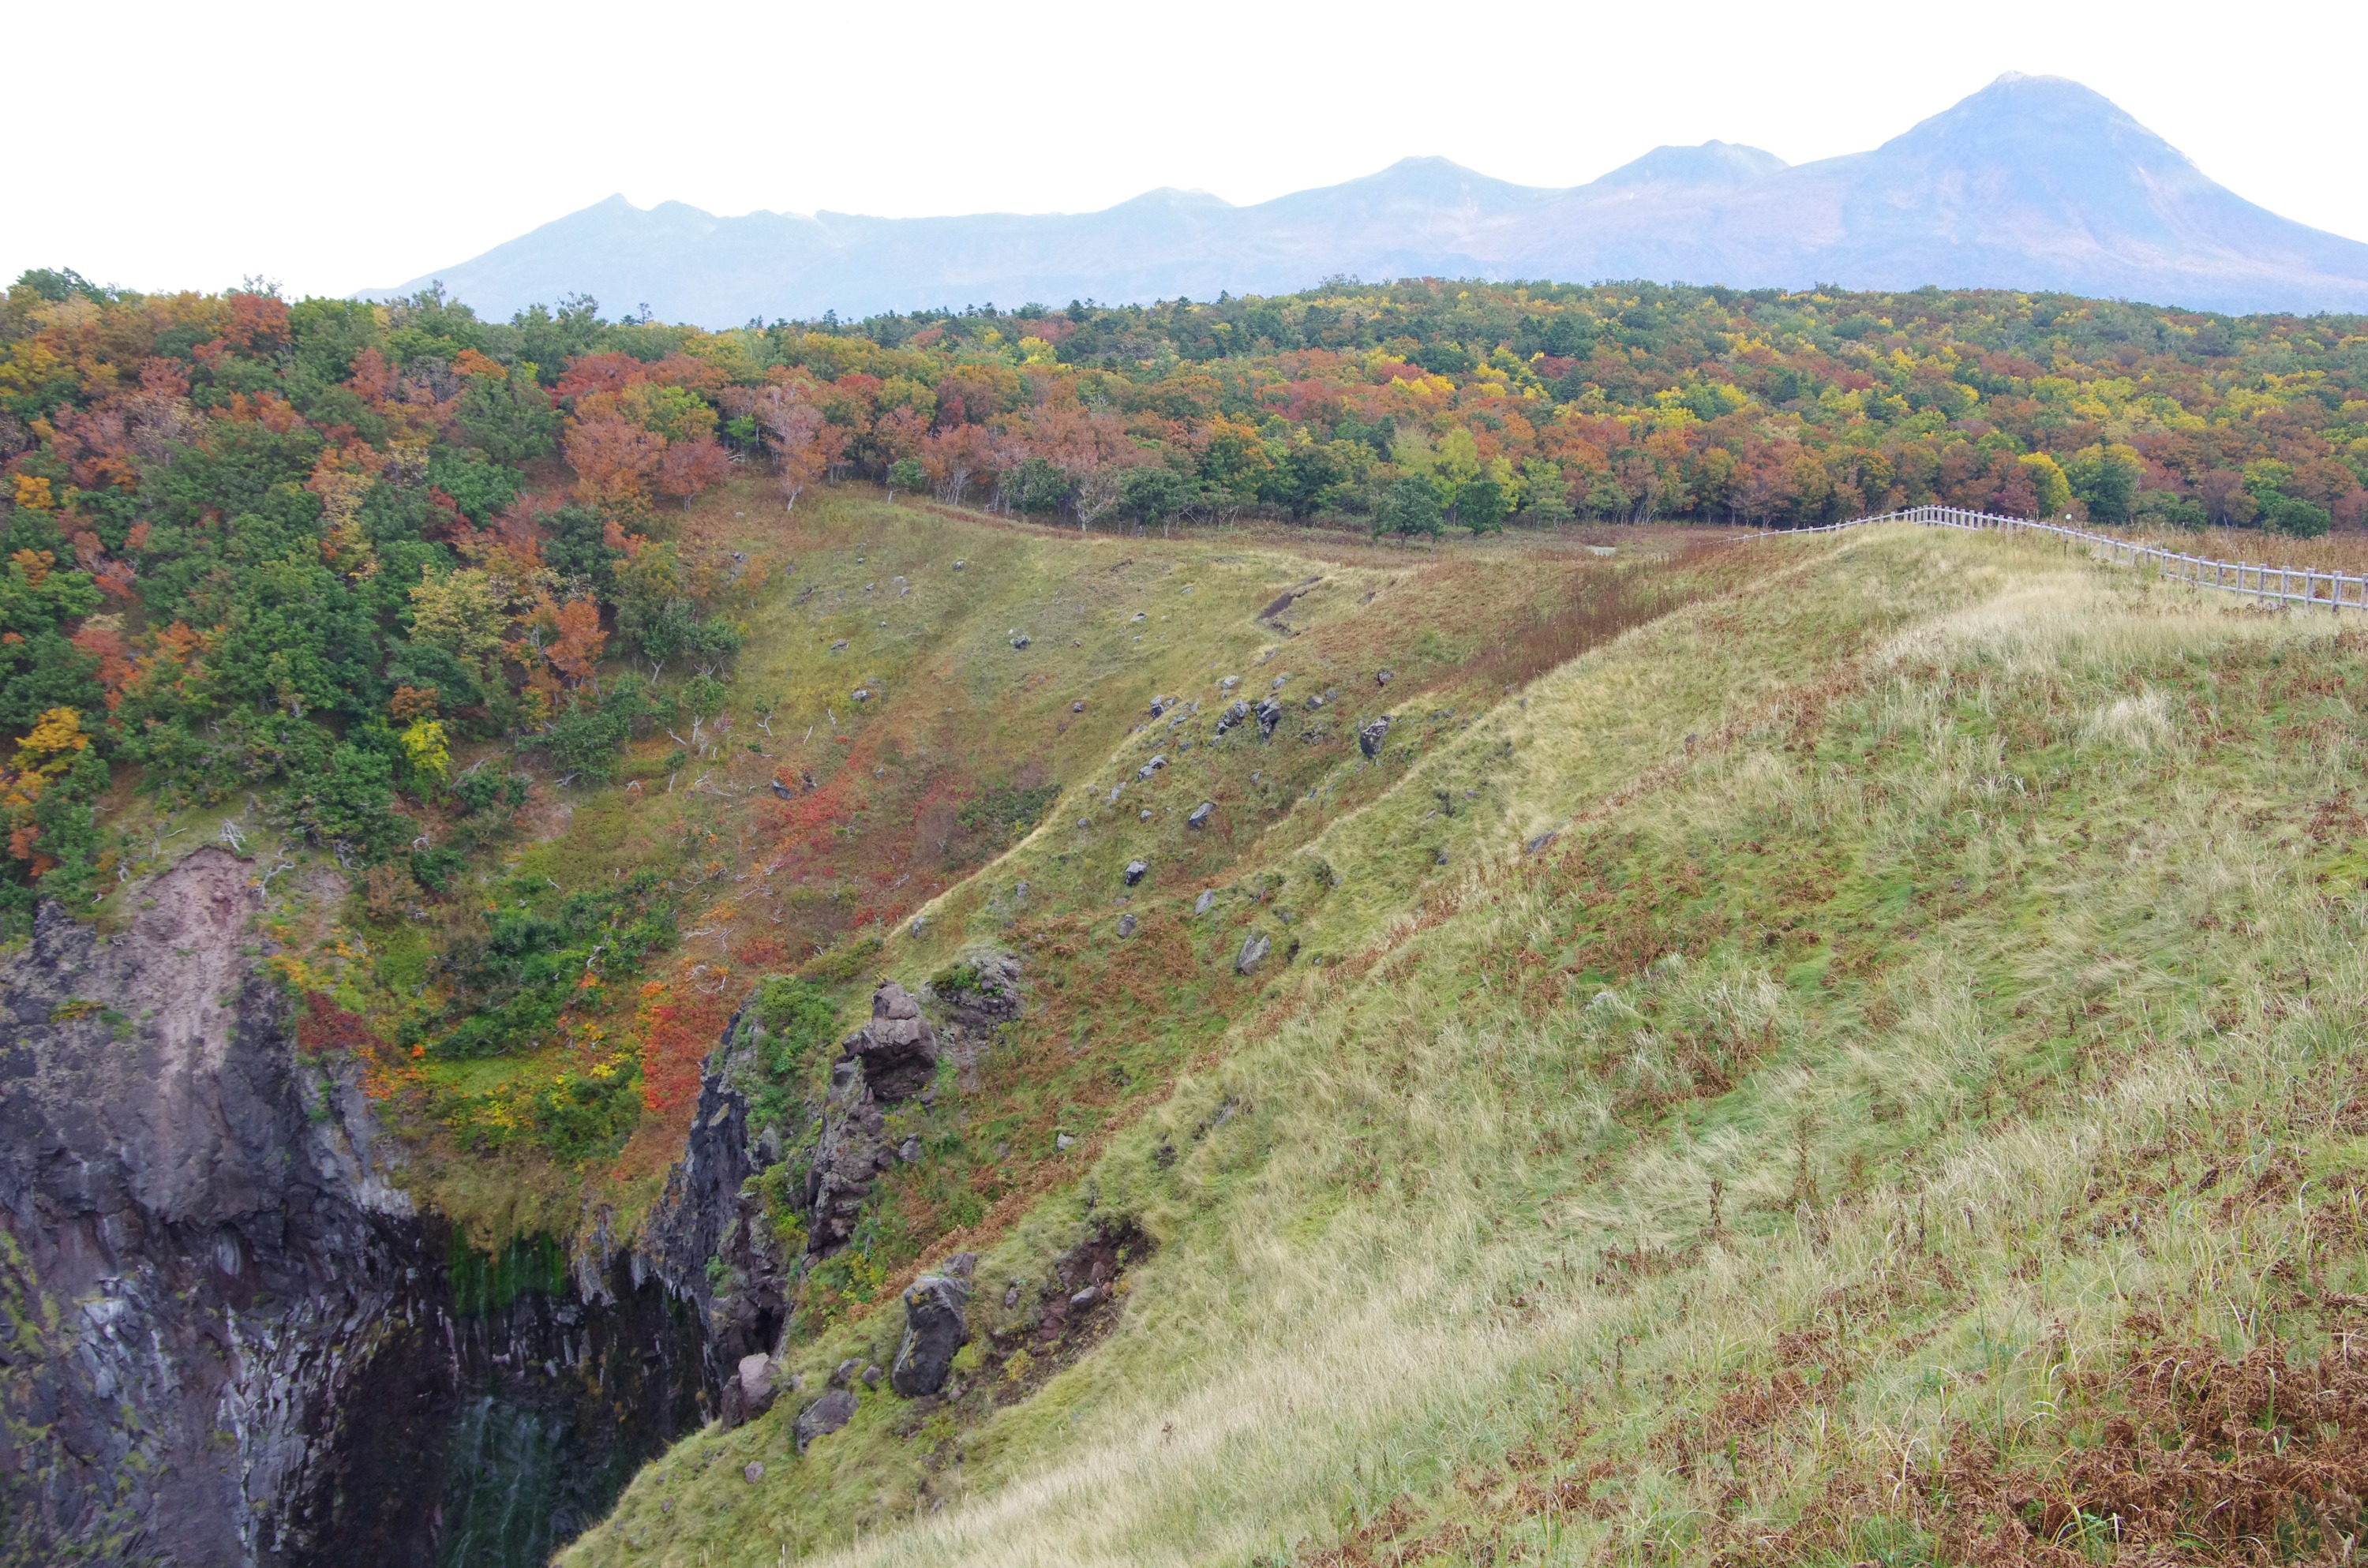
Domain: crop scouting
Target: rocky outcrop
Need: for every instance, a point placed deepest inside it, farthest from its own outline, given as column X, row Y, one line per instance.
column 706, row 1211
column 887, row 1060
column 976, row 1001
column 225, row 1337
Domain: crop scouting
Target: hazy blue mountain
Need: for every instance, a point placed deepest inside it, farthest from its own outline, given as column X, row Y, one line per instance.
column 2034, row 182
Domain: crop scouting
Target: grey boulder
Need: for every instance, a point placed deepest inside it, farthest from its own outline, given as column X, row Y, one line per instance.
column 823, row 1416
column 935, row 1329
column 1254, row 947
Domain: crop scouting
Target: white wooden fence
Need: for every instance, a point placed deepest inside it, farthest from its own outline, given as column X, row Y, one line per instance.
column 2289, row 585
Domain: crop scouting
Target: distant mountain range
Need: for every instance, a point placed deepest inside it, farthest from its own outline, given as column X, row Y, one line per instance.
column 2033, row 182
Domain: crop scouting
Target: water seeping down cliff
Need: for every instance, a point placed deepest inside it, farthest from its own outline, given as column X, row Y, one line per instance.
column 226, row 1337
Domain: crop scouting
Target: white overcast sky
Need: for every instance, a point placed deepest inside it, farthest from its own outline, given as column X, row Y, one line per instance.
column 334, row 147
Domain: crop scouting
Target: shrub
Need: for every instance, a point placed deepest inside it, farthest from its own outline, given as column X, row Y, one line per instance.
column 578, row 1119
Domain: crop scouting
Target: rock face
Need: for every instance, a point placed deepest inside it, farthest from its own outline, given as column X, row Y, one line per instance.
column 887, row 1060
column 201, row 1239
column 234, row 1342
column 934, row 1330
column 702, row 1213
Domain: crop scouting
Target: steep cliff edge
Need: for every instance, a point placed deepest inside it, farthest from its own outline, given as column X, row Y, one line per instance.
column 199, row 1247
column 225, row 1337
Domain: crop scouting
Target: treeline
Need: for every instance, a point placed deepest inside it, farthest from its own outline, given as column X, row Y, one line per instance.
column 301, row 549
column 1627, row 402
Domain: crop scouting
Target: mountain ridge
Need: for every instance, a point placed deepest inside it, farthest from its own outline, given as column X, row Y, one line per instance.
column 2033, row 183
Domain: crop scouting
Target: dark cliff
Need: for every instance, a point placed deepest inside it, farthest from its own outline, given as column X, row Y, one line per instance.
column 225, row 1338
column 199, row 1250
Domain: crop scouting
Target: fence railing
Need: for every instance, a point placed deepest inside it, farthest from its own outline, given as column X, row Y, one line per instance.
column 2288, row 584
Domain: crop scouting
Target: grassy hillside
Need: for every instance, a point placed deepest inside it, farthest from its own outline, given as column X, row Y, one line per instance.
column 1910, row 1098
column 791, row 825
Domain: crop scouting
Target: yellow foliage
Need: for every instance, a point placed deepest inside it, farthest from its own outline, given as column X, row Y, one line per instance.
column 423, row 746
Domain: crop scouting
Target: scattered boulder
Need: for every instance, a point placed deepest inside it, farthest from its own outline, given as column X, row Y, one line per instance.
column 749, row 1392
column 1200, row 815
column 935, row 1329
column 1540, row 842
column 1380, row 677
column 959, row 565
column 839, row 646
column 1206, row 901
column 1233, row 715
column 1254, row 947
column 1160, row 705
column 871, row 1377
column 1114, row 789
column 844, row 1373
column 909, row 1151
column 1229, row 683
column 1371, row 735
column 753, row 1472
column 1062, row 1142
column 1135, row 870
column 862, row 694
column 1126, row 925
column 961, row 1266
column 784, row 790
column 1154, row 766
column 1020, row 640
column 1270, row 714
column 1076, row 706
column 823, row 1416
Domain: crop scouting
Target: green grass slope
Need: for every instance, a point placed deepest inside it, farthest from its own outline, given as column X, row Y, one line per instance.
column 789, row 817
column 1908, row 1114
